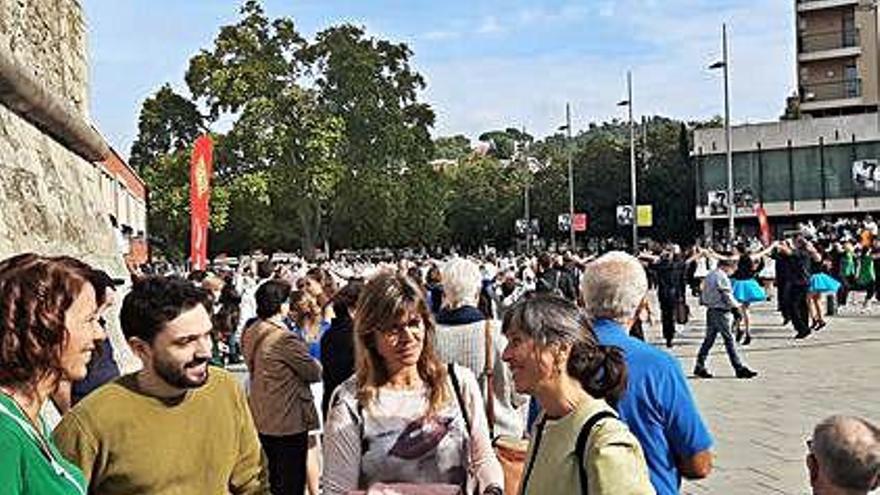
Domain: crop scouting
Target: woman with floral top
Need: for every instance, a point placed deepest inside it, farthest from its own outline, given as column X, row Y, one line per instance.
column 405, row 418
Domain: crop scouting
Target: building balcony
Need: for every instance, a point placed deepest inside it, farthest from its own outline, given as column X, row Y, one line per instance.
column 828, row 45
column 808, row 5
column 831, row 90
column 831, row 94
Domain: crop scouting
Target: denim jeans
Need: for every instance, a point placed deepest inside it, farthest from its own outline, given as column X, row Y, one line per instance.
column 718, row 321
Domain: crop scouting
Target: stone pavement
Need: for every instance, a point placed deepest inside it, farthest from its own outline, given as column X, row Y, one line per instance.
column 761, row 425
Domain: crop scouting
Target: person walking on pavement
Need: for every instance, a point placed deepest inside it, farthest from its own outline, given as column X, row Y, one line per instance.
column 720, row 307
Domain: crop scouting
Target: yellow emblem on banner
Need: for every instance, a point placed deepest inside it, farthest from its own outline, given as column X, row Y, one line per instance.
column 201, row 177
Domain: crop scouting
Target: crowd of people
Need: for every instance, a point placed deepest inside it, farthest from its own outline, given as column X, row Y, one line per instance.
column 489, row 375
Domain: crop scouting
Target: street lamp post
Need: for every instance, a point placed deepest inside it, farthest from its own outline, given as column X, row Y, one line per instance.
column 632, row 162
column 725, row 65
column 523, row 158
column 570, row 178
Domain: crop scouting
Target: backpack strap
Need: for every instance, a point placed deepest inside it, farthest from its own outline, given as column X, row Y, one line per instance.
column 450, row 368
column 489, row 375
column 581, row 445
column 539, row 432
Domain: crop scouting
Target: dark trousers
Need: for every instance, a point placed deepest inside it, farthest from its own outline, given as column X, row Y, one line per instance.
column 287, row 462
column 667, row 318
column 783, row 297
column 846, row 285
column 718, row 322
column 799, row 312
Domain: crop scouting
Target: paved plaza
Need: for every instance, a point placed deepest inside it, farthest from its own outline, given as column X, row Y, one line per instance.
column 761, row 425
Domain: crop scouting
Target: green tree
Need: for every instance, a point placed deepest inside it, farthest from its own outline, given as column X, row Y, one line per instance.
column 168, row 122
column 370, row 86
column 167, row 128
column 280, row 131
column 452, row 147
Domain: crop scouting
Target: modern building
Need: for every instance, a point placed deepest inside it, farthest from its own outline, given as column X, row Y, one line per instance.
column 795, row 169
column 837, row 56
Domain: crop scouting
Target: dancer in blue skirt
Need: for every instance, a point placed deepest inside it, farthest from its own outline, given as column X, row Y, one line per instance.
column 746, row 290
column 820, row 283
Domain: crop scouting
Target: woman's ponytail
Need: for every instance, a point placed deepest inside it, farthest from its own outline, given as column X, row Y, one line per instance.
column 601, row 370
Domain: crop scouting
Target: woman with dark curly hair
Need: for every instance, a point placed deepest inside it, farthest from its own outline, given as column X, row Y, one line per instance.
column 48, row 332
column 579, row 445
column 406, row 418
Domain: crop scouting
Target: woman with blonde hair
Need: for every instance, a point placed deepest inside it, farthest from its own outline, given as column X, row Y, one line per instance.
column 405, row 418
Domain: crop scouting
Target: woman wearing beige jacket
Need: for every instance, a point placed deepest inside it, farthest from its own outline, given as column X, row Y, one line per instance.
column 281, row 370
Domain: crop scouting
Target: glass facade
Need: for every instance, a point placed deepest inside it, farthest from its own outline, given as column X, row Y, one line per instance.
column 789, row 174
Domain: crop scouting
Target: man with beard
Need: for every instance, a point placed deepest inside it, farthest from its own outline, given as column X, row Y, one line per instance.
column 176, row 426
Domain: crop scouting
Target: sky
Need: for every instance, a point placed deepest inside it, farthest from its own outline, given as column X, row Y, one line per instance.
column 487, row 64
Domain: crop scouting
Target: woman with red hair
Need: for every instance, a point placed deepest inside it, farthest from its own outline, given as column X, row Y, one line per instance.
column 48, row 332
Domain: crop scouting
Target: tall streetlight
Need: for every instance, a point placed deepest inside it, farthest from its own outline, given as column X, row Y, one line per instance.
column 723, row 64
column 632, row 162
column 523, row 157
column 567, row 128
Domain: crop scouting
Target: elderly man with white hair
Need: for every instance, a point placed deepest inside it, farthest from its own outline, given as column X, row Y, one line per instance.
column 658, row 405
column 844, row 456
column 461, row 338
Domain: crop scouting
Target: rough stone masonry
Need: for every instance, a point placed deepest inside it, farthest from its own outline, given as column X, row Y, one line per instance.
column 48, row 193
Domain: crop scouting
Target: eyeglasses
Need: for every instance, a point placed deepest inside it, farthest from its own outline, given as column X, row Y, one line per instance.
column 414, row 325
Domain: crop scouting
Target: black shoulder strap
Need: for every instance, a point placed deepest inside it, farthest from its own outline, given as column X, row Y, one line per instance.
column 365, row 444
column 450, row 368
column 581, row 445
column 539, row 431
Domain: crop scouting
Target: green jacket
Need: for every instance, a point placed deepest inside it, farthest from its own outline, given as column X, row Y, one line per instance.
column 847, row 265
column 866, row 275
column 25, row 469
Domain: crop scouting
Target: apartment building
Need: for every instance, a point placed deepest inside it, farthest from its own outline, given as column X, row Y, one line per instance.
column 837, row 56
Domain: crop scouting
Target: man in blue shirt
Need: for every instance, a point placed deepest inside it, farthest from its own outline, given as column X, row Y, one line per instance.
column 657, row 406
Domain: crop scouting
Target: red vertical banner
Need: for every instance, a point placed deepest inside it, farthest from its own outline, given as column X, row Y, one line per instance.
column 200, row 171
column 764, row 225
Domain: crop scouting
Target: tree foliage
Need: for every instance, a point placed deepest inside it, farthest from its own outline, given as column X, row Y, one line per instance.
column 328, row 141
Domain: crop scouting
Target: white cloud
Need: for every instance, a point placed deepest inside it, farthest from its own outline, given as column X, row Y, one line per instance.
column 670, row 79
column 440, row 35
column 542, row 15
column 490, row 25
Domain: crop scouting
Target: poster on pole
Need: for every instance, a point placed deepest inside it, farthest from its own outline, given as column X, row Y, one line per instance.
column 580, row 222
column 645, row 215
column 200, row 171
column 563, row 222
column 866, row 175
column 625, row 215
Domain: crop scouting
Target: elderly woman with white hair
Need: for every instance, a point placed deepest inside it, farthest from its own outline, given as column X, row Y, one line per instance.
column 657, row 405
column 463, row 337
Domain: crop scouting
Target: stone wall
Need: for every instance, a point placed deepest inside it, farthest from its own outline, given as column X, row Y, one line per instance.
column 48, row 194
column 49, row 36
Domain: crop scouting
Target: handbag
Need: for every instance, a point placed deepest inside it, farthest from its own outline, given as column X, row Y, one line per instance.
column 682, row 313
column 511, row 452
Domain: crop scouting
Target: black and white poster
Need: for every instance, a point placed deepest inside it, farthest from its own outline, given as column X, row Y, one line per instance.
column 717, row 201
column 625, row 215
column 866, row 175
